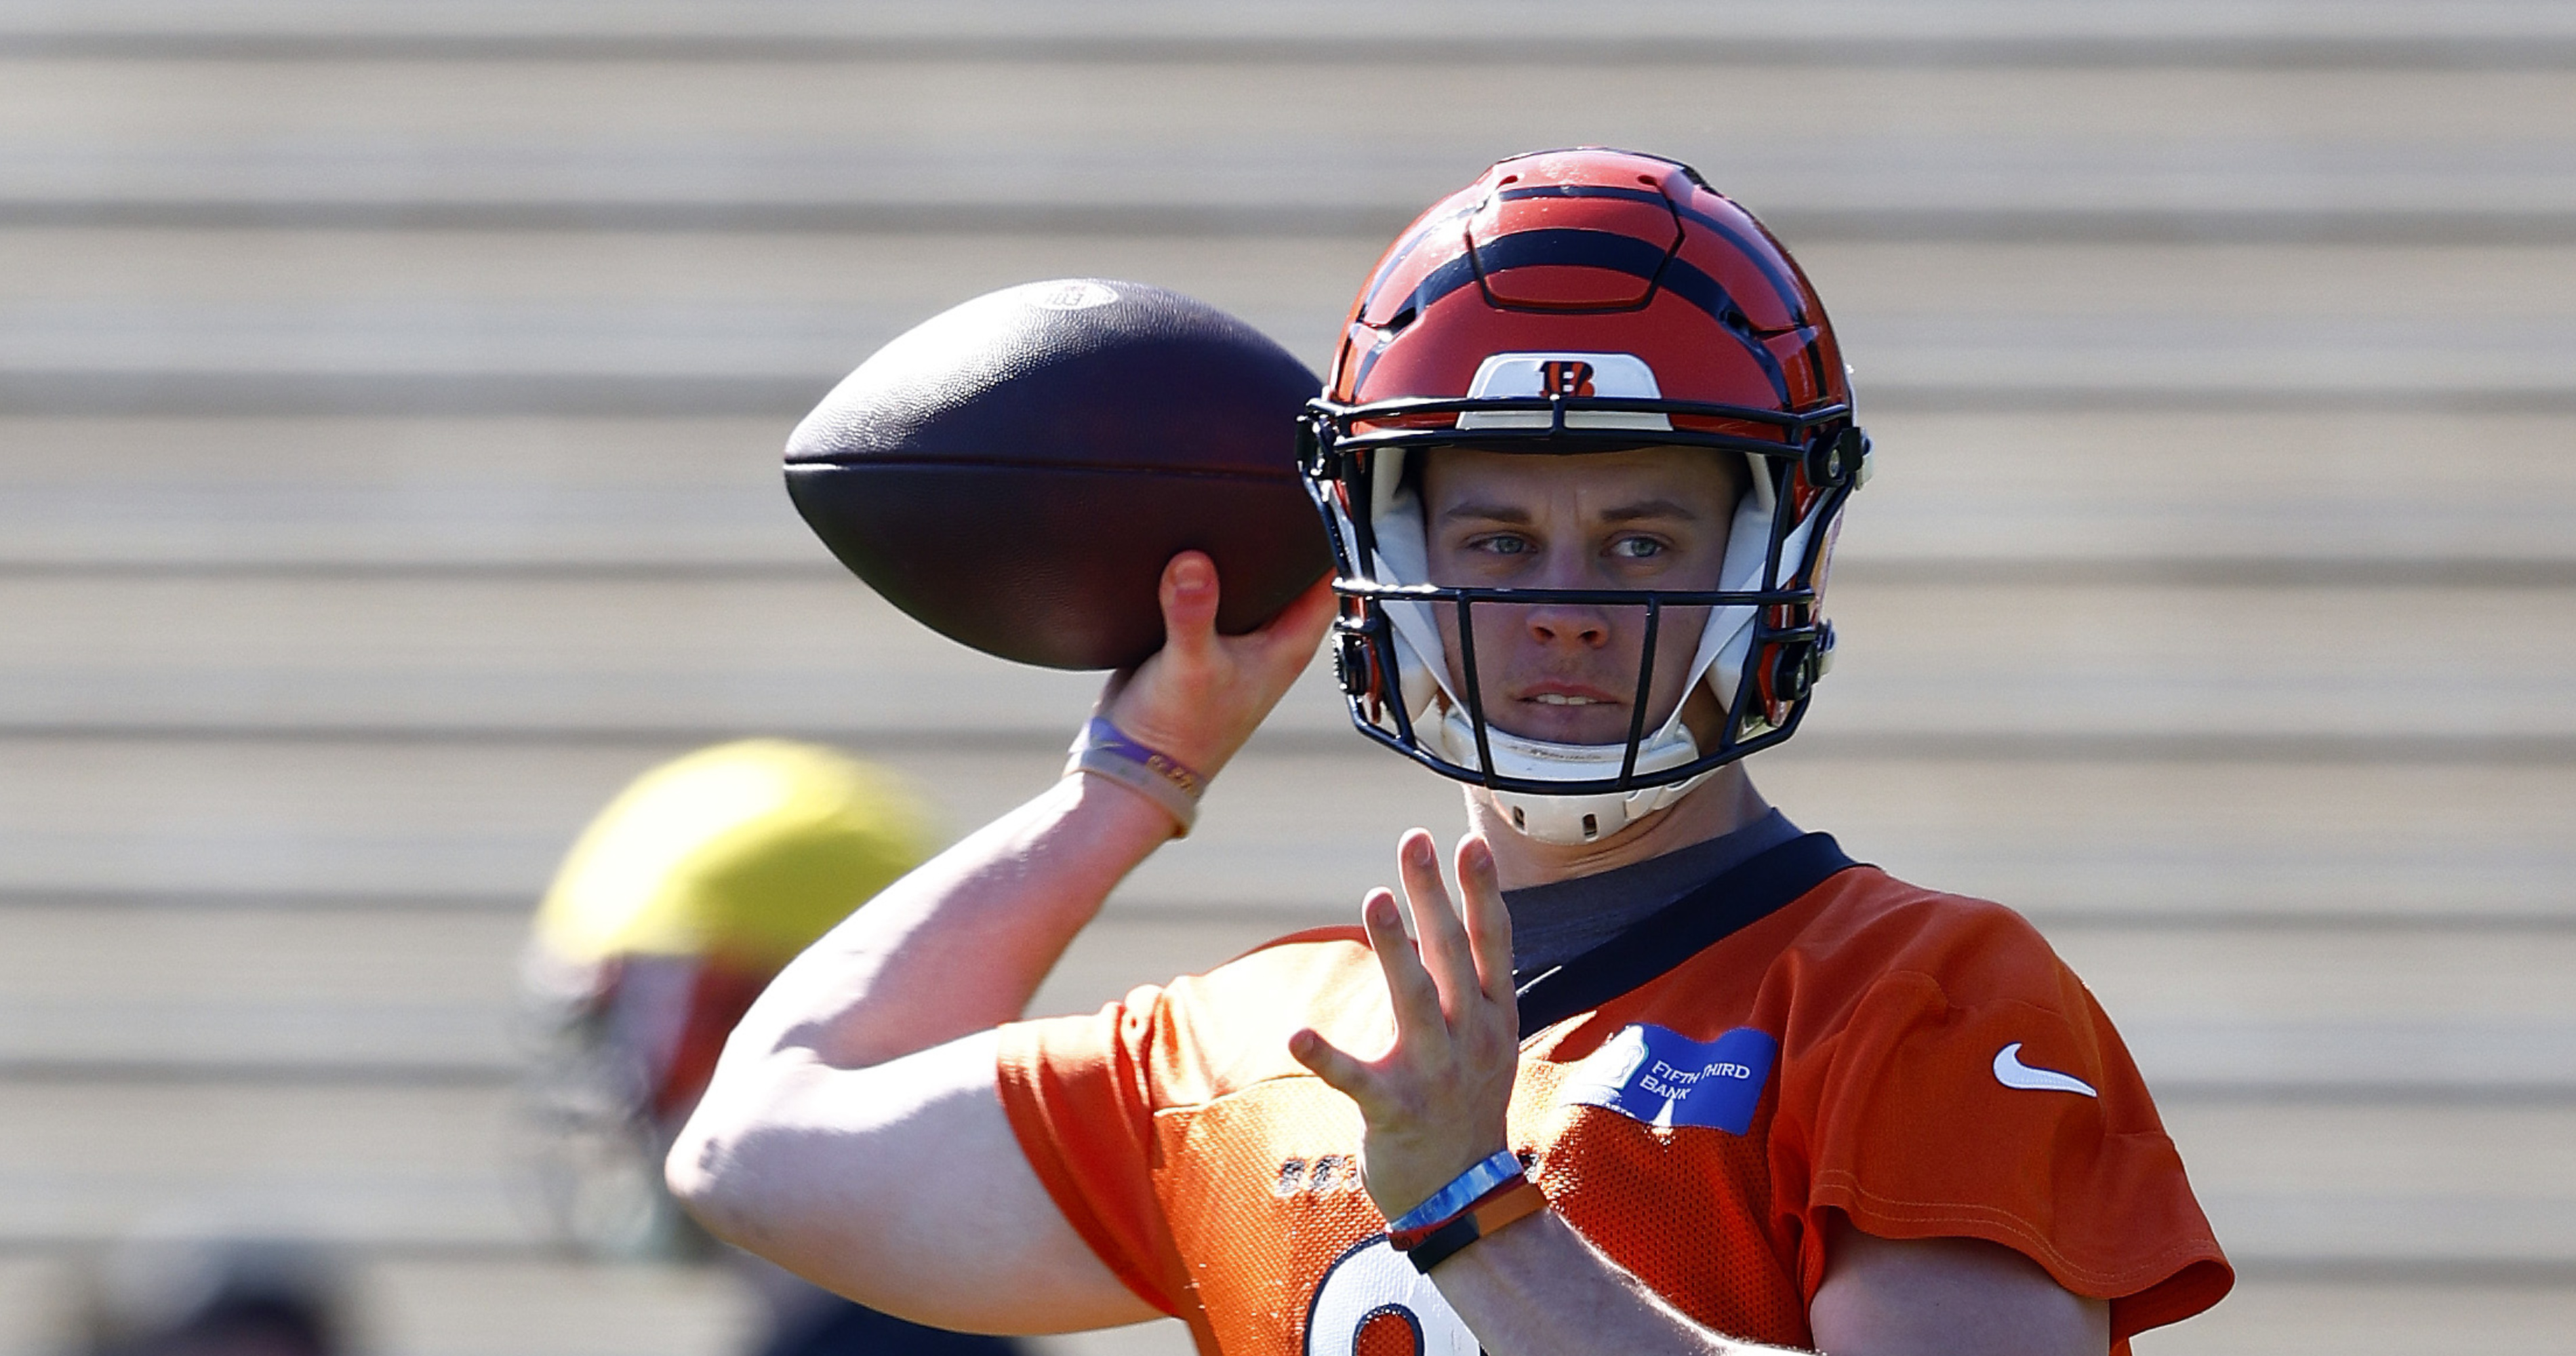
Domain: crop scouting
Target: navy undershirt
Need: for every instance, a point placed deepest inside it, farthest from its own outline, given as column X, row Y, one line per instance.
column 1556, row 922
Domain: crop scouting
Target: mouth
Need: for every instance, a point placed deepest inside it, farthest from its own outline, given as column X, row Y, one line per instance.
column 1555, row 695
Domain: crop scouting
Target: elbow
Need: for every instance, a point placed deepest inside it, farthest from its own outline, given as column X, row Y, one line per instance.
column 706, row 1172
column 696, row 1173
column 733, row 1164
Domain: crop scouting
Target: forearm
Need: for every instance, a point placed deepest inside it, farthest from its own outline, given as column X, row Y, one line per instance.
column 853, row 1131
column 961, row 944
column 815, row 1121
column 1540, row 1287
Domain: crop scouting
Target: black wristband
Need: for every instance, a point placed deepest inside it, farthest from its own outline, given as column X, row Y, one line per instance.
column 1444, row 1243
column 1506, row 1206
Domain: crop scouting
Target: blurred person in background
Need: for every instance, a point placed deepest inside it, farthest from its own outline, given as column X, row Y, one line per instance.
column 693, row 887
column 213, row 1297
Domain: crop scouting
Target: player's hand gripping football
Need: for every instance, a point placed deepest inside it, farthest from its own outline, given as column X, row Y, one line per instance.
column 1434, row 1103
column 1202, row 695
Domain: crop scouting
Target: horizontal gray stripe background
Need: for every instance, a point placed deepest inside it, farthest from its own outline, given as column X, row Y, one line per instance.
column 2208, row 608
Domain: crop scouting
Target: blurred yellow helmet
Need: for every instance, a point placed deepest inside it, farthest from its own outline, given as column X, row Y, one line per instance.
column 693, row 887
column 741, row 854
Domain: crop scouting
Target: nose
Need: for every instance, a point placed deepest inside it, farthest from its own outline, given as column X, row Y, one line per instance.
column 1568, row 624
column 1572, row 625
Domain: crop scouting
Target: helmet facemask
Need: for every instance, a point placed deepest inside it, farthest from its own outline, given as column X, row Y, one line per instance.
column 1756, row 647
column 1567, row 303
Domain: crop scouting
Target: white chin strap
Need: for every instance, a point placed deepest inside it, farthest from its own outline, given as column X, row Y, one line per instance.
column 1403, row 557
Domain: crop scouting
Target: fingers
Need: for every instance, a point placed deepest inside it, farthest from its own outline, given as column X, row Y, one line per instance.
column 1439, row 1096
column 1343, row 1072
column 1444, row 942
column 1488, row 920
column 1410, row 988
column 1188, row 594
column 1412, row 996
column 1201, row 695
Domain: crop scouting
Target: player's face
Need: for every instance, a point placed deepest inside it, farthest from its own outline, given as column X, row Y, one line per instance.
column 1651, row 518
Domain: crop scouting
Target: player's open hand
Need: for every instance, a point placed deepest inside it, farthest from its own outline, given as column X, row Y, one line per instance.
column 1202, row 695
column 1435, row 1102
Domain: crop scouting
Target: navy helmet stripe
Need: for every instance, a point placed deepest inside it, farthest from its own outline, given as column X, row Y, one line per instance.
column 1588, row 249
column 1441, row 281
column 1684, row 279
column 1360, row 373
column 1404, row 250
column 1616, row 253
column 1395, row 258
column 1762, row 254
column 1758, row 251
column 1636, row 258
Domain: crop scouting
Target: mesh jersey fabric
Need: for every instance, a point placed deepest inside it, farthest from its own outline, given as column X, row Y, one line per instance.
column 1220, row 1180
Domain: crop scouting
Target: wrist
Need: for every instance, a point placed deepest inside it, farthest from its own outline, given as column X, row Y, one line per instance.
column 1456, row 1194
column 1109, row 754
column 1196, row 750
column 1490, row 1196
column 1107, row 812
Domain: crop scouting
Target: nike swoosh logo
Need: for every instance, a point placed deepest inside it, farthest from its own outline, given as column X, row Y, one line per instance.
column 2012, row 1073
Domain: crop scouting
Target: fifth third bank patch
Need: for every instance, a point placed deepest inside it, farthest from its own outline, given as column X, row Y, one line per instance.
column 1662, row 1077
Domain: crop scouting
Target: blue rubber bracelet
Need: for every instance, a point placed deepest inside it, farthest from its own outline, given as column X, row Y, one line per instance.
column 1461, row 1192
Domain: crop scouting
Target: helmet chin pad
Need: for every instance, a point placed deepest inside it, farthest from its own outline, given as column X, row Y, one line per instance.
column 1570, row 820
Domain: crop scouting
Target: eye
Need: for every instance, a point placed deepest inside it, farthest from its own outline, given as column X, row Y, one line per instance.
column 1500, row 544
column 1637, row 548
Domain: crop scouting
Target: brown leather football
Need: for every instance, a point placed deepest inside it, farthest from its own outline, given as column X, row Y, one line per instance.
column 1014, row 472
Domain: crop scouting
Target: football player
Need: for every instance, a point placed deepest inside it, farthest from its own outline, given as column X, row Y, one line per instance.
column 676, row 905
column 1661, row 1074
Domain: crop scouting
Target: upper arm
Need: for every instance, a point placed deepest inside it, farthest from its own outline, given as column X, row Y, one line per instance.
column 900, row 1185
column 1890, row 1297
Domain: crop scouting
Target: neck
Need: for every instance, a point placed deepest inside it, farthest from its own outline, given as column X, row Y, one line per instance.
column 1721, row 805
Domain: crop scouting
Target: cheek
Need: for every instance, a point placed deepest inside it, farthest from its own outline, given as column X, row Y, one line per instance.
column 1500, row 628
column 1499, row 633
column 1445, row 619
column 1677, row 643
column 1704, row 566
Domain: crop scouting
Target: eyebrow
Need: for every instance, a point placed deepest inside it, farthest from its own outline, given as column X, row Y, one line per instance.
column 1485, row 513
column 1650, row 508
column 1643, row 510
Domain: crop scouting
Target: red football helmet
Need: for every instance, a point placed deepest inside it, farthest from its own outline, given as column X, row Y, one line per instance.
column 1572, row 302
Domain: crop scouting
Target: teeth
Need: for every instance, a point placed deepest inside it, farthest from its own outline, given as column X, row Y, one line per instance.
column 1561, row 699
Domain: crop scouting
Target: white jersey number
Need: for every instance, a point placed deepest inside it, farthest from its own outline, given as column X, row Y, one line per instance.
column 1372, row 1302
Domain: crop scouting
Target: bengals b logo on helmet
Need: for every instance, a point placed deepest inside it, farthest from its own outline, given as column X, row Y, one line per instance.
column 1565, row 378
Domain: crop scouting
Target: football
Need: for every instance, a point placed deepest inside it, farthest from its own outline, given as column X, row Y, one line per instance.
column 1015, row 472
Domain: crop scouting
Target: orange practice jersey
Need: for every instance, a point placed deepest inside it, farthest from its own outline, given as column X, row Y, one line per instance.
column 1920, row 1063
